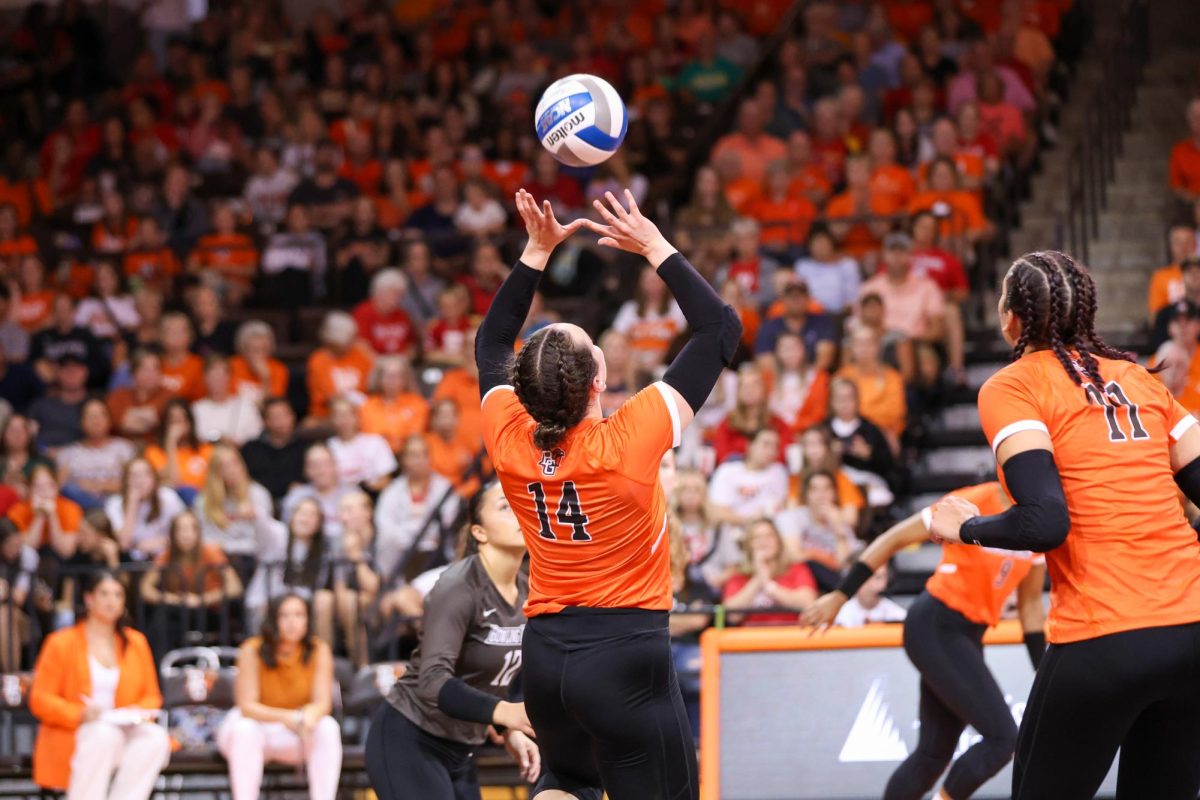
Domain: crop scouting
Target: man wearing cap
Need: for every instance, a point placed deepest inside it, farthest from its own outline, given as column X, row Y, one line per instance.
column 817, row 330
column 913, row 305
column 58, row 414
column 1190, row 271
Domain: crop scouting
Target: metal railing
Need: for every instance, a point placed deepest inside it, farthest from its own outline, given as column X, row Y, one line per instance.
column 1107, row 115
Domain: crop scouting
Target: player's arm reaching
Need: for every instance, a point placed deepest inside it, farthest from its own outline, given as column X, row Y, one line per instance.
column 901, row 535
column 716, row 327
column 500, row 327
column 1038, row 520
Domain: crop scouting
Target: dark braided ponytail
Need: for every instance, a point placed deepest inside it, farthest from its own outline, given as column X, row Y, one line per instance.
column 553, row 380
column 1055, row 299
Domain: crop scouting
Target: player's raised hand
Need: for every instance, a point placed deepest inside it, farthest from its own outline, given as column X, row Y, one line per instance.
column 949, row 514
column 626, row 229
column 544, row 229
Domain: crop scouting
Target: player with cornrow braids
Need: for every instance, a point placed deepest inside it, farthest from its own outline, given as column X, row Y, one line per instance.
column 587, row 494
column 1087, row 443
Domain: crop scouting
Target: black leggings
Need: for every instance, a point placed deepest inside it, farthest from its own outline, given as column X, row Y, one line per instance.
column 601, row 692
column 957, row 689
column 1139, row 691
column 406, row 763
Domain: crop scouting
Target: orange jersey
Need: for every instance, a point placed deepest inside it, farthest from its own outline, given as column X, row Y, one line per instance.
column 894, row 182
column 976, row 581
column 1131, row 560
column 184, row 377
column 592, row 509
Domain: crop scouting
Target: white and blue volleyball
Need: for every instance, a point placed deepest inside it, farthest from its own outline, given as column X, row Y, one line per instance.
column 581, row 120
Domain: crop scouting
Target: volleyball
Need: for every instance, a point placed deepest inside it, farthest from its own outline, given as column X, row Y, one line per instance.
column 581, row 120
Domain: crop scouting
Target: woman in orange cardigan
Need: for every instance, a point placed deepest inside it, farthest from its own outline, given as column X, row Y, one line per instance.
column 95, row 691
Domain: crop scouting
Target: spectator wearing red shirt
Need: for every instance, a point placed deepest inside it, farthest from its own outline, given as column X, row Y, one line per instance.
column 767, row 578
column 84, row 138
column 445, row 342
column 942, row 267
column 1185, row 158
column 829, row 139
column 562, row 191
column 751, row 413
column 382, row 324
column 807, row 176
column 360, row 167
column 488, row 271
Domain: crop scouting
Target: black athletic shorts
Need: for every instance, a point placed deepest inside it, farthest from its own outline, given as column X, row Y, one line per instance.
column 601, row 692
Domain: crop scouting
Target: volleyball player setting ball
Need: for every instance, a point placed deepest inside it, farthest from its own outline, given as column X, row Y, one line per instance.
column 600, row 687
column 1088, row 443
column 943, row 637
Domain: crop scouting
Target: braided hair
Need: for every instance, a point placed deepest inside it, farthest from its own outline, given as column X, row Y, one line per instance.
column 553, row 380
column 1054, row 297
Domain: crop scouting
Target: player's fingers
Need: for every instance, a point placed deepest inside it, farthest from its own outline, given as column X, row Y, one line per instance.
column 608, row 241
column 572, row 226
column 596, row 227
column 602, row 209
column 618, row 209
column 634, row 211
column 548, row 211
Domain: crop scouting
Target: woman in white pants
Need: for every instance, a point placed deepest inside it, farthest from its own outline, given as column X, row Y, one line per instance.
column 284, row 693
column 95, row 692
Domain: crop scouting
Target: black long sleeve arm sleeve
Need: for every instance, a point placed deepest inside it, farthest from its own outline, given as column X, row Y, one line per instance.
column 502, row 324
column 1038, row 520
column 716, row 330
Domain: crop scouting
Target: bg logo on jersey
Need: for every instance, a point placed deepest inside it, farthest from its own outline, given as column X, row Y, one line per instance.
column 550, row 459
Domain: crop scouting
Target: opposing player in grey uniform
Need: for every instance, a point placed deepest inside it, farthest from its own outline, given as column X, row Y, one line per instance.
column 461, row 675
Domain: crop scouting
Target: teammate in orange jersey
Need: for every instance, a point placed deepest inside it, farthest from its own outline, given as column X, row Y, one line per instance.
column 1088, row 443
column 599, row 684
column 943, row 636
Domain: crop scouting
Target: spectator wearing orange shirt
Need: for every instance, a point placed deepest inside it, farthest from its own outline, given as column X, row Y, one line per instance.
column 888, row 178
column 971, row 169
column 858, row 217
column 14, row 244
column 651, row 320
column 182, row 370
column 232, row 256
column 1178, row 358
column 448, row 455
column 829, row 138
column 360, row 167
column 1185, row 158
column 255, row 371
column 48, row 521
column 738, row 191
column 462, row 386
column 339, row 367
column 137, row 409
column 114, row 231
column 35, row 300
column 394, row 409
column 180, row 458
column 784, row 217
column 960, row 211
column 880, row 387
column 807, row 176
column 755, row 148
column 147, row 260
column 1166, row 284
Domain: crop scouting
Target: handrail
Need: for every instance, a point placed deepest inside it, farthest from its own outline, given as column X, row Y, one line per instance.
column 1107, row 115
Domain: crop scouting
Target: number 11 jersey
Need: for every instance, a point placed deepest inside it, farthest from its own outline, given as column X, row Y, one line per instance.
column 1131, row 560
column 592, row 509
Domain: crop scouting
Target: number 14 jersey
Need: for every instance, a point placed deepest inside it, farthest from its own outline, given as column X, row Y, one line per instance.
column 1131, row 560
column 592, row 509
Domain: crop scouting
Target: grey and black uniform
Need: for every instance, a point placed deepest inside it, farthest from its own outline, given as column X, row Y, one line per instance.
column 421, row 740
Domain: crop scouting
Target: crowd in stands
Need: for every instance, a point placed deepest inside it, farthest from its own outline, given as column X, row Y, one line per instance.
column 241, row 271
